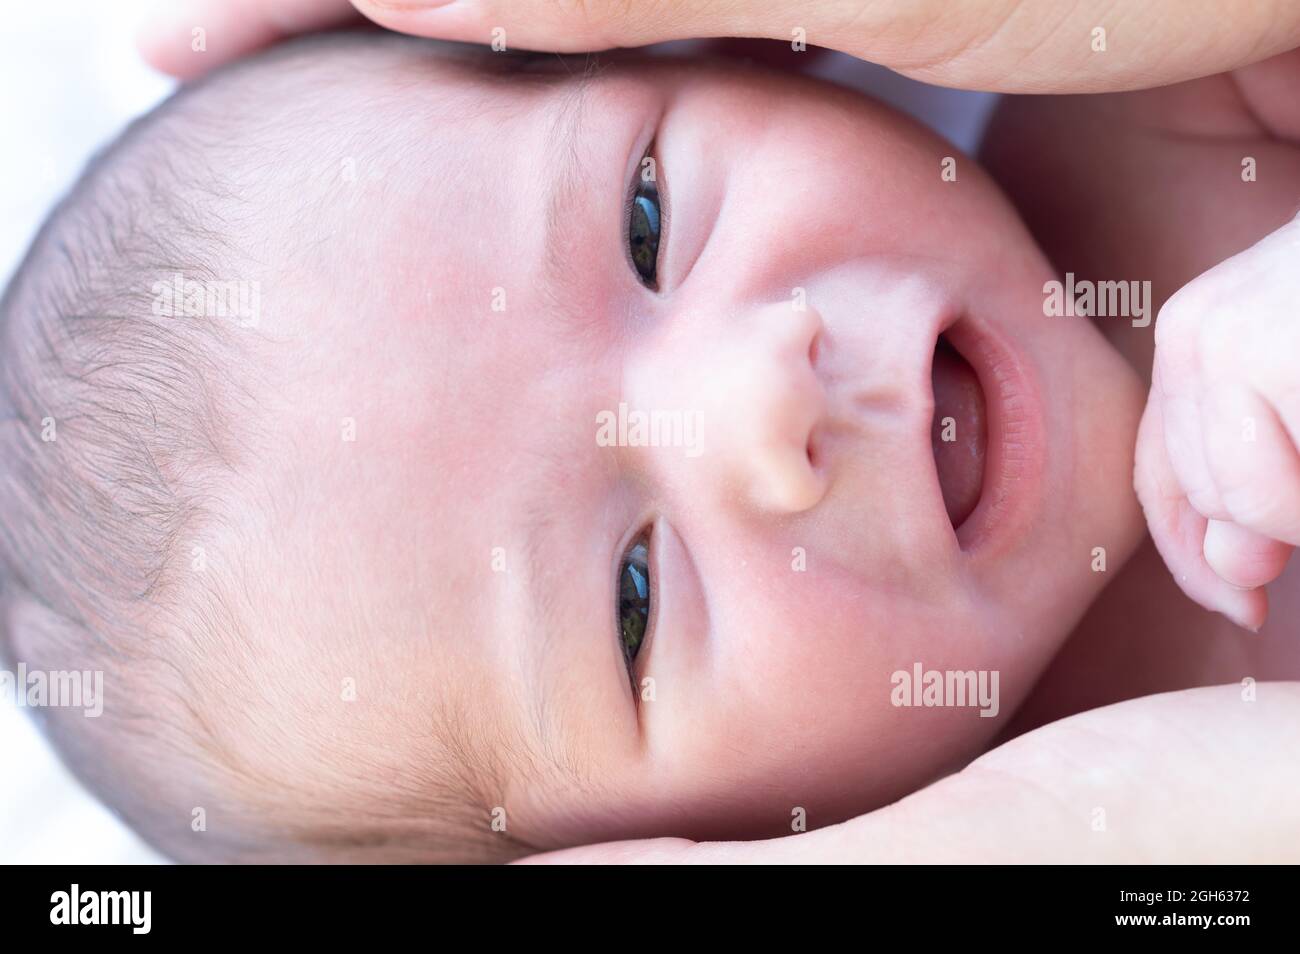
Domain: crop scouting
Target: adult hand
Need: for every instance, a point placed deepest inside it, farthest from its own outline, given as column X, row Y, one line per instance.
column 1002, row 45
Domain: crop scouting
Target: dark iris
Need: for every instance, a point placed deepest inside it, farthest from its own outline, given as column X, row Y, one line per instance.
column 643, row 233
column 633, row 599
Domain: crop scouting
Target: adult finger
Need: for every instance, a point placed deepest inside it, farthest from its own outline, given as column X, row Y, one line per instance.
column 1001, row 45
column 1073, row 46
column 186, row 38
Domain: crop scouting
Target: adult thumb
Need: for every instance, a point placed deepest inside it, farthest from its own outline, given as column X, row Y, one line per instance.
column 1000, row 45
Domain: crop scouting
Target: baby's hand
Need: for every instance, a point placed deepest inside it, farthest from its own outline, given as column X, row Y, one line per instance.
column 1218, row 470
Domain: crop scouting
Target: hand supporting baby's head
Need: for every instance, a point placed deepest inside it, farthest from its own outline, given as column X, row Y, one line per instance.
column 537, row 453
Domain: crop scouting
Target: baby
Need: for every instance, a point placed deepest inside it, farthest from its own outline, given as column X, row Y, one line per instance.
column 450, row 455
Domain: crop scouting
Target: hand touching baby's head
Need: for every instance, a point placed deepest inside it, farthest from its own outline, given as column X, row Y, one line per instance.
column 448, row 454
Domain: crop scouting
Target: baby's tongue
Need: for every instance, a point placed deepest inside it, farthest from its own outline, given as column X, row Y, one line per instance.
column 959, row 417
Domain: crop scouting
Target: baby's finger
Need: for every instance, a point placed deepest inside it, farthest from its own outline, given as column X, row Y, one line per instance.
column 1176, row 376
column 1185, row 445
column 1253, row 462
column 186, row 38
column 1242, row 557
column 1178, row 530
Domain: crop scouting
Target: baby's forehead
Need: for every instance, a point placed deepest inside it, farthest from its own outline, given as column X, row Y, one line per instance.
column 361, row 172
column 437, row 198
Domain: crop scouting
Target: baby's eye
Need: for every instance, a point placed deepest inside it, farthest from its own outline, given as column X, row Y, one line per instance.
column 633, row 598
column 643, row 229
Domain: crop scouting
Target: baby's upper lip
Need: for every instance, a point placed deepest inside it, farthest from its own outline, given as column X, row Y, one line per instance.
column 876, row 433
column 875, row 439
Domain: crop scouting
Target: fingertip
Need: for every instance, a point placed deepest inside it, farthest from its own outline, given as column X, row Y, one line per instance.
column 1242, row 558
column 186, row 38
column 165, row 40
column 446, row 20
column 154, row 42
column 1247, row 609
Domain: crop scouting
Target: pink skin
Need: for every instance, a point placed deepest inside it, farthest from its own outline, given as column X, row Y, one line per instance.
column 477, row 439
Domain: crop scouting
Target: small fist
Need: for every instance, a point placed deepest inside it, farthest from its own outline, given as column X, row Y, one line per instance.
column 1218, row 470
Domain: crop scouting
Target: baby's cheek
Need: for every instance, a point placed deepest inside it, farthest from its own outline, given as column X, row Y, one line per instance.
column 807, row 647
column 798, row 706
column 810, row 717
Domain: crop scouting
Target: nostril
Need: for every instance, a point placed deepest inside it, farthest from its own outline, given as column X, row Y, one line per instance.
column 814, row 348
column 811, row 450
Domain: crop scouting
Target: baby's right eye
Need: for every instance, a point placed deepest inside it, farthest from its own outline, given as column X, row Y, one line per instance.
column 634, row 592
column 643, row 227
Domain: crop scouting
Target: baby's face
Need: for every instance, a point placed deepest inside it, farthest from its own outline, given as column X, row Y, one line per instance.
column 507, row 369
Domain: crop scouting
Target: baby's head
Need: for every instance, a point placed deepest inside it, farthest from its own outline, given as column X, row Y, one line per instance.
column 427, row 442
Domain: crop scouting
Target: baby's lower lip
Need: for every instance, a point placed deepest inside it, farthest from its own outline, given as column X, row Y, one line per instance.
column 1011, row 476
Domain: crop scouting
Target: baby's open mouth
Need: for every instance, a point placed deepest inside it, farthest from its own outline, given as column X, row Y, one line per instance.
column 958, row 433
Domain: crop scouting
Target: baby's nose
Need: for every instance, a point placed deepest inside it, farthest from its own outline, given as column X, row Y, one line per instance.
column 772, row 402
column 747, row 379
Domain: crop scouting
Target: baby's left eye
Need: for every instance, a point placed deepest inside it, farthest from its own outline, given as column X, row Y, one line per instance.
column 643, row 230
column 633, row 599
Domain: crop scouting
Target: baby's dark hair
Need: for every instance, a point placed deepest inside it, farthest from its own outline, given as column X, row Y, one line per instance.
column 119, row 458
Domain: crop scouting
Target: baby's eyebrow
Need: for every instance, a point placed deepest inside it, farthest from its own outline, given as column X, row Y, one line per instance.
column 566, row 133
column 539, row 517
column 564, row 257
